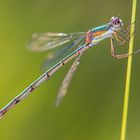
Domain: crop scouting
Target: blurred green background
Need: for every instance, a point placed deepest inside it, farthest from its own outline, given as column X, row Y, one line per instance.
column 92, row 108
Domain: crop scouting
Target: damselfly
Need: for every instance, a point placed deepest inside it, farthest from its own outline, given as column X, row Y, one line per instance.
column 80, row 42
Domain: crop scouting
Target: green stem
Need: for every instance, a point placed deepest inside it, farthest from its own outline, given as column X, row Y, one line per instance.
column 128, row 75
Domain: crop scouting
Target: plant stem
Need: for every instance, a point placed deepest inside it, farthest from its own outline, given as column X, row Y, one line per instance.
column 128, row 75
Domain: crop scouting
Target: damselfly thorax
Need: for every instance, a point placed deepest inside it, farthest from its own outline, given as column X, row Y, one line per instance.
column 94, row 38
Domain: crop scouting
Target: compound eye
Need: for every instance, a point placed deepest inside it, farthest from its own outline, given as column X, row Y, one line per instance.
column 116, row 21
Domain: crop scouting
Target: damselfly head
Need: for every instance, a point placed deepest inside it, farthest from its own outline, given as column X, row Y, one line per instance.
column 116, row 23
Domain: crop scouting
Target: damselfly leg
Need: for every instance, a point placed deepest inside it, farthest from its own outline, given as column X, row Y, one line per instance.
column 118, row 56
column 124, row 35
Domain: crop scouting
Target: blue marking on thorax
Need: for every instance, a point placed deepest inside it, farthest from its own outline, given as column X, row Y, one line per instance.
column 99, row 28
column 98, row 39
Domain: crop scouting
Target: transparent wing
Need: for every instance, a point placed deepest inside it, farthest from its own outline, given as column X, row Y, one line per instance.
column 55, row 56
column 66, row 82
column 46, row 41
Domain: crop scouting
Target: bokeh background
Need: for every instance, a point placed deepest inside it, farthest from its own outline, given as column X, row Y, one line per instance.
column 92, row 108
